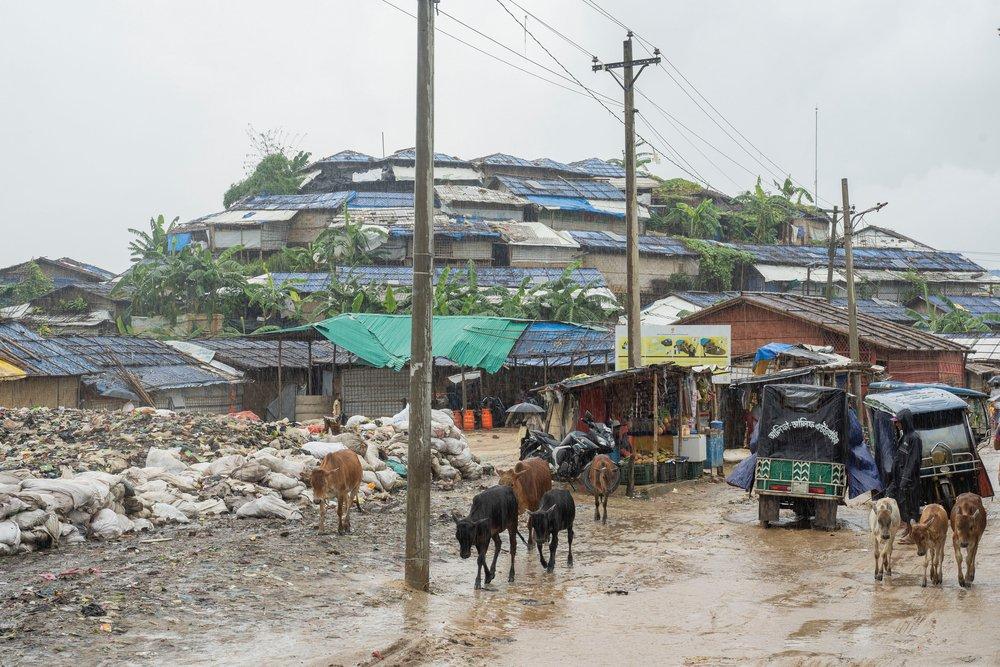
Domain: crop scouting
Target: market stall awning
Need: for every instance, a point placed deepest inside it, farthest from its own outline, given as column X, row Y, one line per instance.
column 384, row 340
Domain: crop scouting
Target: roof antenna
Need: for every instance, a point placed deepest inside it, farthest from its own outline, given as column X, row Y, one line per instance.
column 383, row 144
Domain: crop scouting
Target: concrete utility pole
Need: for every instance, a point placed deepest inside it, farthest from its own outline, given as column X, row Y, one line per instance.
column 852, row 303
column 418, row 487
column 631, row 205
column 832, row 256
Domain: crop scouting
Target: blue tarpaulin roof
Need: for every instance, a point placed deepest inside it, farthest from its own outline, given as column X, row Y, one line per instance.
column 381, row 200
column 597, row 167
column 770, row 351
column 588, row 189
column 496, row 276
column 410, row 155
column 893, row 259
column 318, row 202
column 980, row 306
column 885, row 310
column 37, row 356
column 563, row 344
column 348, row 157
column 570, row 204
column 651, row 245
column 457, row 227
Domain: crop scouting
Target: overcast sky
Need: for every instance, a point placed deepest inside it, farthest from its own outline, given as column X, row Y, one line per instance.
column 116, row 111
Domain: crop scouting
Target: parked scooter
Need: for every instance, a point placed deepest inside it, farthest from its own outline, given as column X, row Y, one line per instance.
column 569, row 457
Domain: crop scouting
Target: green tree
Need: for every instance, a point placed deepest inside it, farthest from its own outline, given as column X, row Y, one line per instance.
column 768, row 213
column 717, row 265
column 33, row 283
column 275, row 170
column 789, row 189
column 153, row 244
column 701, row 221
column 348, row 244
column 274, row 300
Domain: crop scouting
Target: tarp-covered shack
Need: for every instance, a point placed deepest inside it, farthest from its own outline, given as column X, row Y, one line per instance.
column 38, row 372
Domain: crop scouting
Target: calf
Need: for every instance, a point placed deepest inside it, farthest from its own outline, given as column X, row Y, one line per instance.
column 883, row 521
column 339, row 475
column 493, row 511
column 968, row 521
column 602, row 477
column 928, row 534
column 556, row 512
column 530, row 479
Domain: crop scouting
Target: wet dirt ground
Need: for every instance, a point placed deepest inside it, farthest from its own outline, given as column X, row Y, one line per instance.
column 684, row 578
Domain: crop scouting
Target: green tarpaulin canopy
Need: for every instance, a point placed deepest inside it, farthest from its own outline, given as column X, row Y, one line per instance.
column 384, row 340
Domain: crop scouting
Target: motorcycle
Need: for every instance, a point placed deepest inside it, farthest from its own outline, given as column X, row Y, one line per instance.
column 568, row 458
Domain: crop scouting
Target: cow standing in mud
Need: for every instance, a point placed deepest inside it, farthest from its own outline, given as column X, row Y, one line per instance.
column 338, row 475
column 883, row 521
column 556, row 512
column 603, row 473
column 968, row 521
column 493, row 511
column 530, row 479
column 928, row 535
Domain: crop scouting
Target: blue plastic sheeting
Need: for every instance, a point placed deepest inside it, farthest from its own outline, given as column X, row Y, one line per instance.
column 706, row 299
column 549, row 163
column 885, row 310
column 563, row 344
column 980, row 306
column 569, row 204
column 410, row 155
column 664, row 246
column 555, row 187
column 152, row 378
column 40, row 357
column 457, row 228
column 770, row 351
column 177, row 241
column 496, row 276
column 891, row 259
column 597, row 167
column 504, row 160
column 381, row 200
column 320, row 201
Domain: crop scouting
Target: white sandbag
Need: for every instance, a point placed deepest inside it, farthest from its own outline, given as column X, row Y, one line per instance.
column 70, row 534
column 141, row 525
column 443, row 417
column 104, row 477
column 167, row 459
column 166, row 513
column 437, row 444
column 251, row 471
column 372, row 457
column 211, row 506
column 294, row 492
column 461, row 460
column 286, row 467
column 201, row 468
column 11, row 505
column 14, row 477
column 185, row 482
column 188, row 507
column 279, row 482
column 453, row 446
column 387, row 479
column 368, row 477
column 472, row 471
column 10, row 538
column 264, row 451
column 150, row 498
column 355, row 421
column 107, row 525
column 268, row 507
column 30, row 519
column 321, row 449
column 225, row 465
column 71, row 494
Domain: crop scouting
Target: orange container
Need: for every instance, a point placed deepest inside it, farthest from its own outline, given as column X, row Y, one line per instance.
column 469, row 420
column 486, row 417
column 456, row 416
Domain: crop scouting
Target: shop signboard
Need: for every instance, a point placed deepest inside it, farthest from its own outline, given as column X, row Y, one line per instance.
column 684, row 345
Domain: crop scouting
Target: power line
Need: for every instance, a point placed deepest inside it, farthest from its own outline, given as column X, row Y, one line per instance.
column 496, row 57
column 572, row 42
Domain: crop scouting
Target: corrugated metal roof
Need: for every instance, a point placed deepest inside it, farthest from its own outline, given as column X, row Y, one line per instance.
column 455, row 227
column 495, row 276
column 817, row 311
column 40, row 357
column 477, row 195
column 241, row 216
column 985, row 346
column 980, row 306
column 896, row 259
column 319, row 201
column 249, row 354
column 595, row 166
column 587, row 189
column 381, row 200
column 705, row 299
column 648, row 244
column 554, row 165
column 347, row 157
column 503, row 160
column 97, row 271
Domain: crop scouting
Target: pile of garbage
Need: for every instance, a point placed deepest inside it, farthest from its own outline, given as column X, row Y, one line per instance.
column 451, row 460
column 47, row 441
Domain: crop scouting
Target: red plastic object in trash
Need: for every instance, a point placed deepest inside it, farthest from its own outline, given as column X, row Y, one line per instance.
column 249, row 415
column 316, row 428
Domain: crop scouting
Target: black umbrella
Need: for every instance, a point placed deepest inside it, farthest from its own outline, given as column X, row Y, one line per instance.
column 525, row 408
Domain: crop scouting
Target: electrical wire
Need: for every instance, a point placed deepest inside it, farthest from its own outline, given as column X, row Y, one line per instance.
column 568, row 40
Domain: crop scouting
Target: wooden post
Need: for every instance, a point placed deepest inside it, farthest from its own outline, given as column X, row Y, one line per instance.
column 309, row 377
column 545, row 369
column 465, row 399
column 280, row 405
column 656, row 412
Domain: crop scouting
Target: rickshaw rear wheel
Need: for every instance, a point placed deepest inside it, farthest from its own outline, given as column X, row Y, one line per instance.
column 826, row 515
column 767, row 509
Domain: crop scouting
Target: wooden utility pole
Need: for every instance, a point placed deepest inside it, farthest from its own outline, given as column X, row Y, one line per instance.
column 852, row 304
column 832, row 256
column 418, row 487
column 631, row 203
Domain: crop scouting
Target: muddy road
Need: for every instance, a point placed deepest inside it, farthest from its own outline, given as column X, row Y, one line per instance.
column 687, row 577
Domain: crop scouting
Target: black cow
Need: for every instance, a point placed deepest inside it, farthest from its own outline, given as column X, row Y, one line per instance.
column 493, row 511
column 555, row 512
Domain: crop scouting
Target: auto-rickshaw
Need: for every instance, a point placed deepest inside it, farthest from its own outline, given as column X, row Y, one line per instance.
column 802, row 446
column 950, row 464
column 978, row 402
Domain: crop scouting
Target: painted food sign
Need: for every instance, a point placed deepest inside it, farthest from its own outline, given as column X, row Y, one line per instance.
column 706, row 345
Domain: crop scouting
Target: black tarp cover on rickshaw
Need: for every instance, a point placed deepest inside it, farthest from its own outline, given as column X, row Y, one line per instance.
column 803, row 423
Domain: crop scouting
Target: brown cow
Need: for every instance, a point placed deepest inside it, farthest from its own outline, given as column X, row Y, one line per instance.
column 929, row 536
column 968, row 521
column 338, row 475
column 530, row 479
column 602, row 477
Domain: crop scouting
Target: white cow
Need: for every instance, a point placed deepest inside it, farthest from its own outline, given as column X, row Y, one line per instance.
column 883, row 521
